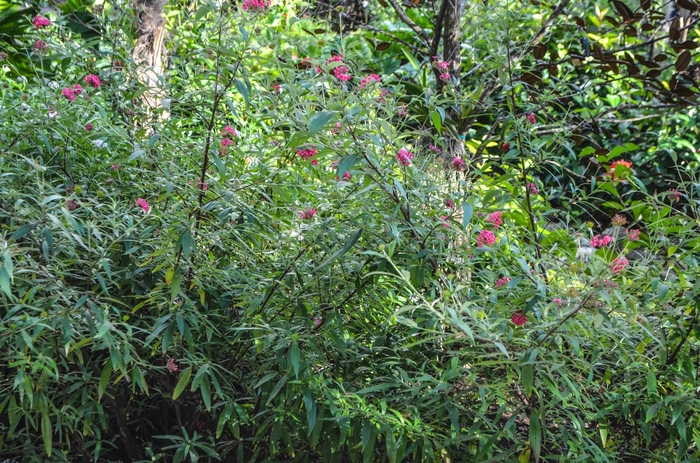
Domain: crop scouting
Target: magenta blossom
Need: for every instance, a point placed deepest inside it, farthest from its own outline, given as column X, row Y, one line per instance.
column 457, row 164
column 502, row 281
column 404, row 157
column 307, row 214
column 39, row 21
column 369, row 79
column 495, row 219
column 518, row 318
column 93, row 80
column 143, row 204
column 486, row 237
column 172, row 366
column 449, row 203
column 633, row 235
column 533, row 188
column 618, row 265
column 531, row 118
column 256, row 5
column 600, row 241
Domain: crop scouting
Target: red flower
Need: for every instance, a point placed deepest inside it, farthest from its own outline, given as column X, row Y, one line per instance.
column 621, row 162
column 518, row 318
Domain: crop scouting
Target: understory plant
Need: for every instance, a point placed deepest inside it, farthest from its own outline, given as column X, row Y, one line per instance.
column 297, row 257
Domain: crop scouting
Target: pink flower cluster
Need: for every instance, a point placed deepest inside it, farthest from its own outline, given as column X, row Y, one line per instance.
column 486, row 237
column 435, row 149
column 40, row 46
column 531, row 118
column 401, row 111
column 143, row 204
column 404, row 157
column 172, row 366
column 445, row 76
column 336, row 128
column 601, row 241
column 518, row 318
column 618, row 265
column 93, row 80
column 383, row 93
column 307, row 154
column 444, row 221
column 227, row 133
column 449, row 203
column 307, row 214
column 340, row 72
column 256, row 5
column 369, row 79
column 633, row 235
column 495, row 219
column 39, row 21
column 533, row 188
column 347, row 176
column 457, row 164
column 72, row 93
column 502, row 281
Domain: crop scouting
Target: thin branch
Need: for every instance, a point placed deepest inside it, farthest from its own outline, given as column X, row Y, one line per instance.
column 409, row 22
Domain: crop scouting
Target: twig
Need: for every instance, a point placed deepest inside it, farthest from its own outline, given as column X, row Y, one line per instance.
column 409, row 22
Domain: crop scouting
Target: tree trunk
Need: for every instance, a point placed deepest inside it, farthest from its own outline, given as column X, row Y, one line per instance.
column 452, row 36
column 149, row 50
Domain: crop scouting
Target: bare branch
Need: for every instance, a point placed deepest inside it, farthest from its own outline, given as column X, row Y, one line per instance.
column 409, row 22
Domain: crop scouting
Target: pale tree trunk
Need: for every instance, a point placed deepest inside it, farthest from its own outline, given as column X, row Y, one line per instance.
column 149, row 51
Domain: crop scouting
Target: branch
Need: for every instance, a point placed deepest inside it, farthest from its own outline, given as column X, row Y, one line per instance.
column 409, row 22
column 438, row 30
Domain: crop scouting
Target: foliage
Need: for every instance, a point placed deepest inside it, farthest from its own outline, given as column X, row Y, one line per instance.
column 257, row 272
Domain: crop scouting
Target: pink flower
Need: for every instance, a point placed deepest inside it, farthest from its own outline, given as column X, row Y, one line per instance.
column 404, row 157
column 341, row 73
column 633, row 235
column 502, row 281
column 346, row 176
column 307, row 214
column 436, row 149
column 383, row 93
column 557, row 300
column 533, row 188
column 674, row 194
column 88, row 127
column 72, row 204
column 229, row 132
column 307, row 154
column 276, row 88
column 449, row 203
column 52, row 112
column 401, row 111
column 256, row 5
column 618, row 220
column 93, row 80
column 39, row 21
column 77, row 89
column 143, row 204
column 317, row 322
column 115, row 167
column 314, row 162
column 369, row 79
column 601, row 241
column 518, row 318
column 445, row 76
column 531, row 118
column 495, row 219
column 172, row 366
column 618, row 265
column 444, row 221
column 457, row 164
column 40, row 46
column 486, row 237
column 68, row 94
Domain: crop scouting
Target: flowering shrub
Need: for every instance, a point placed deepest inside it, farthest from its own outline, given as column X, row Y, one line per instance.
column 163, row 302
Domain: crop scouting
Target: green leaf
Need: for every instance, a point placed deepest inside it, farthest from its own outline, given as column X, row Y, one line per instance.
column 437, row 120
column 205, row 389
column 391, row 445
column 182, row 383
column 528, row 378
column 346, row 164
column 319, row 120
column 535, row 435
column 294, row 355
column 310, row 411
column 136, row 154
column 468, row 213
column 46, row 431
column 348, row 245
column 104, row 380
column 275, row 390
column 651, row 382
column 242, row 89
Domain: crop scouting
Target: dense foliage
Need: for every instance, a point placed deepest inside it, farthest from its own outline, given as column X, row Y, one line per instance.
column 323, row 243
